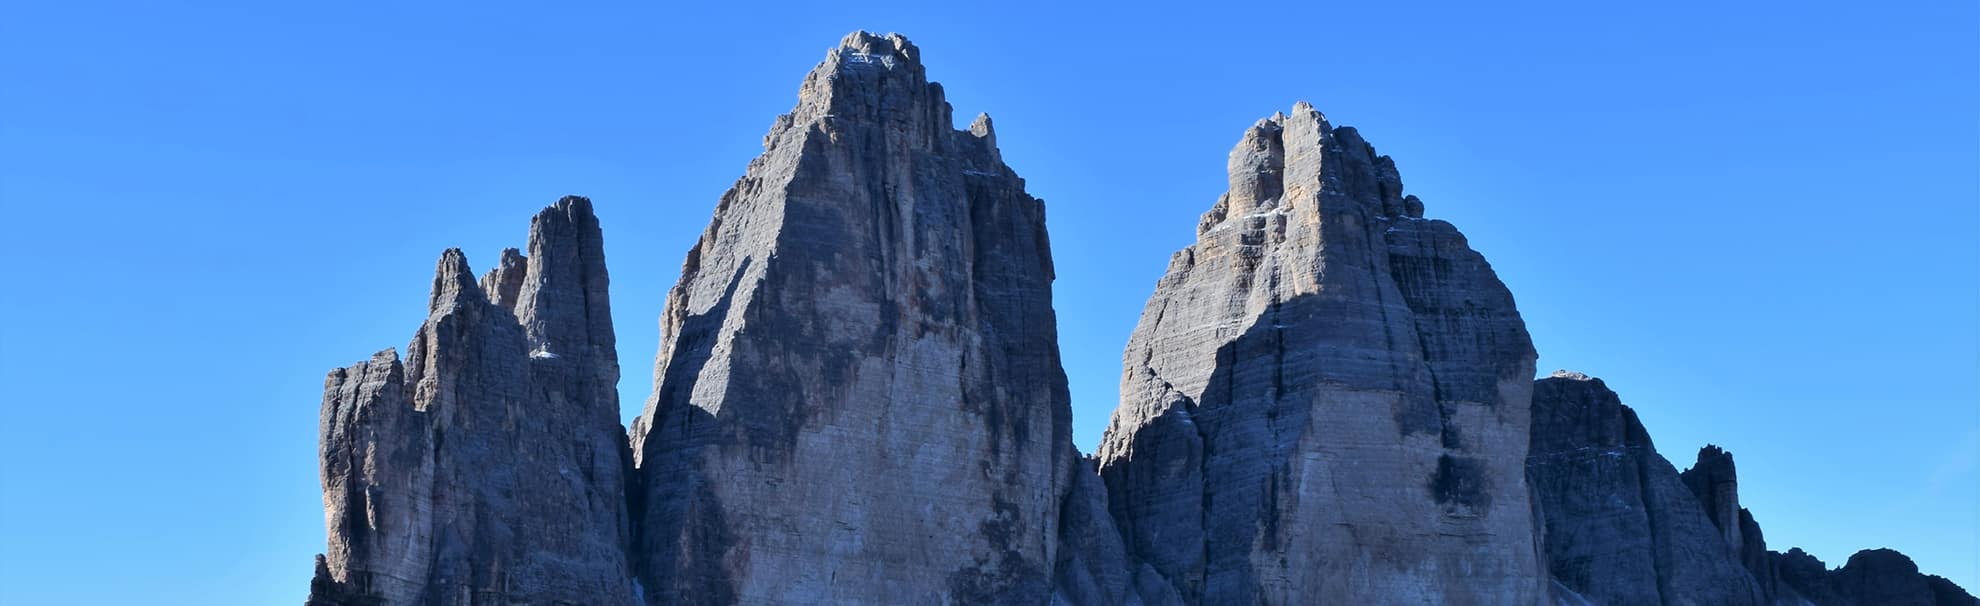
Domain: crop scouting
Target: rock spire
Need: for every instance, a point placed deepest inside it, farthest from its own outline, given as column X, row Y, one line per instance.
column 1326, row 397
column 858, row 397
column 488, row 466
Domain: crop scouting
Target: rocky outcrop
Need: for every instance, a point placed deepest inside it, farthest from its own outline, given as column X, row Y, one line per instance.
column 1326, row 398
column 1624, row 527
column 487, row 466
column 1621, row 527
column 858, row 397
column 1879, row 577
column 1714, row 480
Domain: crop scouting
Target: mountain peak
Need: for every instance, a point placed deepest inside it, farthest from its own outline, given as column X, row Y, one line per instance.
column 452, row 281
column 864, row 46
column 870, row 277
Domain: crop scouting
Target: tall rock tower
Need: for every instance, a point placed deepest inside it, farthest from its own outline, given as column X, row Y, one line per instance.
column 1326, row 399
column 489, row 466
column 858, row 397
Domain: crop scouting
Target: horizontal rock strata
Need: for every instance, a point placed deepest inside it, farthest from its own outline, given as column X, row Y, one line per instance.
column 1326, row 397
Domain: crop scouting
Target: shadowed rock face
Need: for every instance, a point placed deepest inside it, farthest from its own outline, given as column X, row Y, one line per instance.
column 1714, row 479
column 486, row 467
column 1326, row 397
column 858, row 397
column 1621, row 527
column 1879, row 577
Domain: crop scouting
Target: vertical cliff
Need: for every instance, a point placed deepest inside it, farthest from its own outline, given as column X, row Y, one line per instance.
column 1326, row 397
column 486, row 467
column 1714, row 479
column 858, row 397
column 1621, row 527
column 1880, row 577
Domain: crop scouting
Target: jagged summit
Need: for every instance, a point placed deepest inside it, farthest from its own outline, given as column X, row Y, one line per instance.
column 1260, row 177
column 453, row 282
column 1624, row 527
column 873, row 44
column 474, row 468
column 1621, row 527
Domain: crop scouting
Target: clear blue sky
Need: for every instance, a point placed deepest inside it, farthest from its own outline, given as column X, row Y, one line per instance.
column 1756, row 220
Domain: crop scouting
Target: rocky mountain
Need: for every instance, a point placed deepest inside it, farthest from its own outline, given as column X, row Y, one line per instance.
column 859, row 399
column 1625, row 527
column 489, row 466
column 1621, row 526
column 1871, row 576
column 1326, row 397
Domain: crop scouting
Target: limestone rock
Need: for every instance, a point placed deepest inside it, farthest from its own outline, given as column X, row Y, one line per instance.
column 476, row 472
column 1326, row 398
column 1621, row 527
column 858, row 396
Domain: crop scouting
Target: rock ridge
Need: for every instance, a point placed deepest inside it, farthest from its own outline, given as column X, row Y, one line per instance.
column 1624, row 527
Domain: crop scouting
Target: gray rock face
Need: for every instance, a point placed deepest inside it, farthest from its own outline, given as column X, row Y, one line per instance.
column 1621, row 527
column 488, row 466
column 858, row 397
column 1326, row 398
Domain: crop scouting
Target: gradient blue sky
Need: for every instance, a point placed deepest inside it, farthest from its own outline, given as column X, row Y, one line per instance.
column 1756, row 220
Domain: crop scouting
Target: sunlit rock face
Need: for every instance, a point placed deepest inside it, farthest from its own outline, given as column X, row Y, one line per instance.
column 858, row 397
column 1326, row 398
